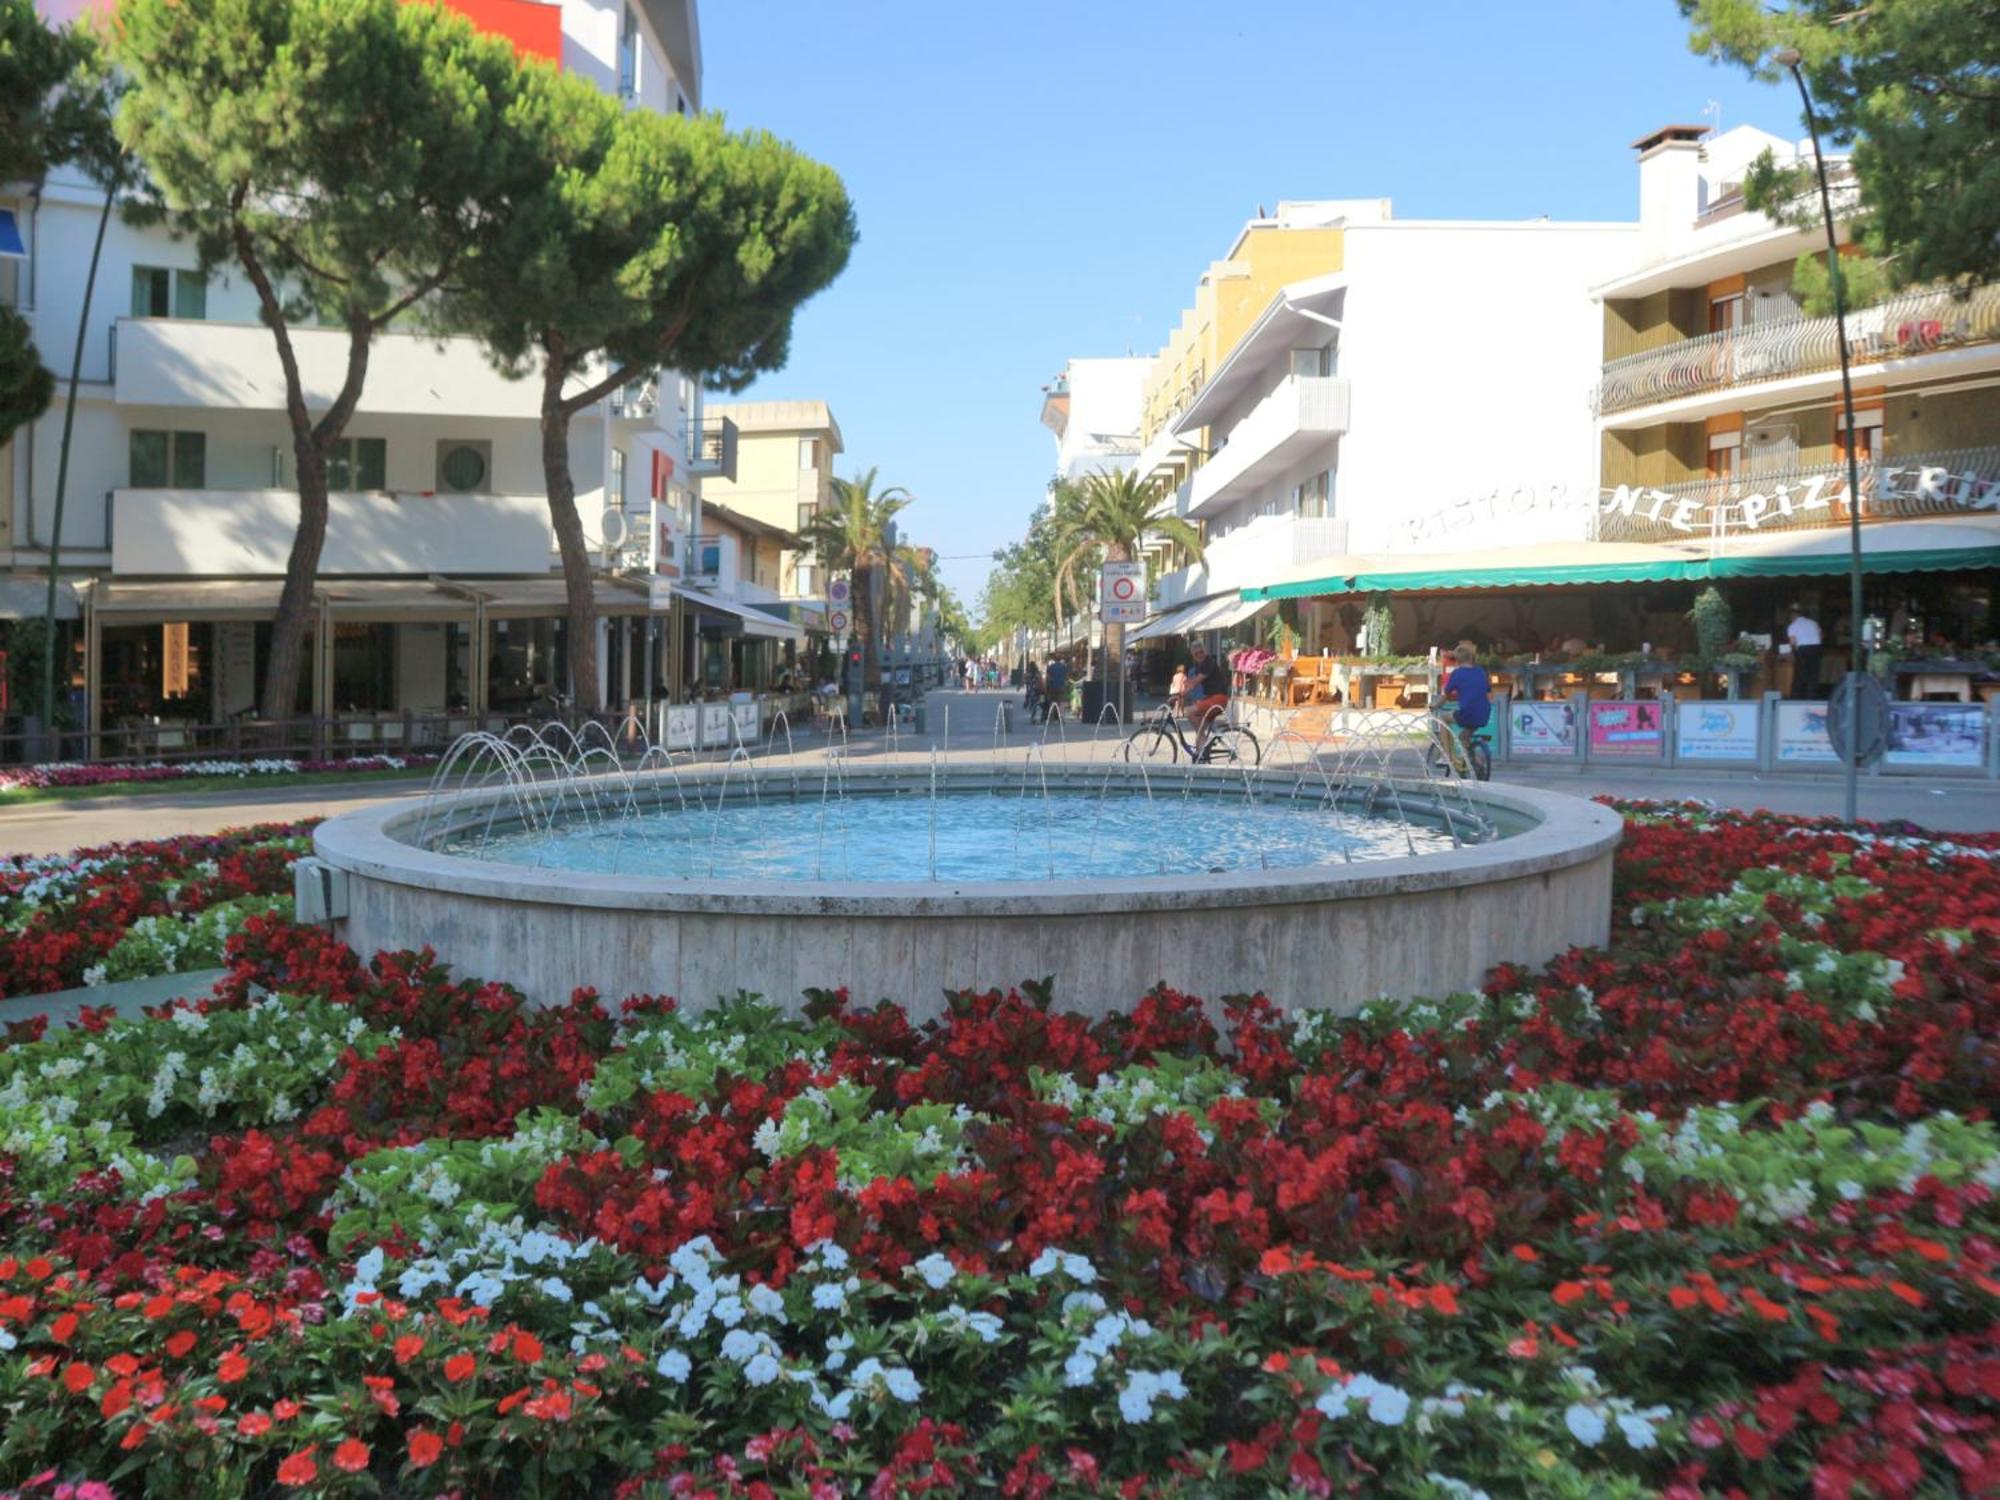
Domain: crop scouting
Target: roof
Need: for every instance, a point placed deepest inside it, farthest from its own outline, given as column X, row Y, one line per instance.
column 779, row 416
column 749, row 525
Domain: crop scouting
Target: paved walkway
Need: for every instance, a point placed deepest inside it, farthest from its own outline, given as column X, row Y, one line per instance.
column 975, row 732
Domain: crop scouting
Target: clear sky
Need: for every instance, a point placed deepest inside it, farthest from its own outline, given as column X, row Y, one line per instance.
column 1043, row 179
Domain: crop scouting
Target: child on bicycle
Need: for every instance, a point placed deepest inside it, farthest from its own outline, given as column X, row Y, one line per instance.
column 1473, row 688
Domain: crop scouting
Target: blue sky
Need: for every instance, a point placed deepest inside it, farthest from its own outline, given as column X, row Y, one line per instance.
column 1040, row 180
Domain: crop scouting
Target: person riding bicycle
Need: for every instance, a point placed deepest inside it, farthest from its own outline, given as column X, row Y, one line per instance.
column 1473, row 688
column 1207, row 692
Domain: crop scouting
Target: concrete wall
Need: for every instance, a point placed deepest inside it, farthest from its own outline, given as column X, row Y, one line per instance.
column 1457, row 391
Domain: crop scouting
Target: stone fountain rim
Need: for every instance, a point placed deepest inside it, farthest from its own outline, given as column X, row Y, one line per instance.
column 1564, row 831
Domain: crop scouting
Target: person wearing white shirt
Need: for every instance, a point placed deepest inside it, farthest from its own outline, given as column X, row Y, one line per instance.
column 1803, row 633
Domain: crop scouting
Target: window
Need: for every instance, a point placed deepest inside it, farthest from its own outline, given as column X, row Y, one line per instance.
column 167, row 460
column 1312, row 361
column 359, row 464
column 1723, row 450
column 160, row 293
column 1725, row 313
column 808, row 453
column 628, row 56
column 617, row 495
column 1867, row 436
column 1314, row 498
column 463, row 467
column 807, row 510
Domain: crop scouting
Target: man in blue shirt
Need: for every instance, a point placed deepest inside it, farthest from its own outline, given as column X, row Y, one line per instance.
column 1470, row 685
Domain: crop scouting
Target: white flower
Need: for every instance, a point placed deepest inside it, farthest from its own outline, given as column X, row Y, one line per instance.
column 738, row 1346
column 902, row 1384
column 1585, row 1424
column 836, row 1350
column 729, row 1311
column 829, row 1296
column 557, row 1288
column 1636, row 1430
column 369, row 1267
column 766, row 1303
column 936, row 1271
column 674, row 1366
column 1079, row 1369
column 762, row 1370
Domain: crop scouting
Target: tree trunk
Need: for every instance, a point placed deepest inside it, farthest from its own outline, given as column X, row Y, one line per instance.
column 295, row 601
column 578, row 588
column 864, row 627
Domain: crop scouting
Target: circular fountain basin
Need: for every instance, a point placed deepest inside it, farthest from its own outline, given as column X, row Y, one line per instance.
column 1211, row 883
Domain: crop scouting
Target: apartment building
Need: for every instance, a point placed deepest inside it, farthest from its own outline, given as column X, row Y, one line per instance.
column 1093, row 409
column 784, row 474
column 1719, row 406
column 1350, row 382
column 438, row 594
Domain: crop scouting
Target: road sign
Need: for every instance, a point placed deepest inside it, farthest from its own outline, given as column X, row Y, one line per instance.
column 1859, row 698
column 837, row 622
column 838, row 593
column 1121, row 593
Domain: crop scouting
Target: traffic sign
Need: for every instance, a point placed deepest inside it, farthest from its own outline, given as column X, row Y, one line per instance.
column 838, row 593
column 837, row 622
column 1121, row 592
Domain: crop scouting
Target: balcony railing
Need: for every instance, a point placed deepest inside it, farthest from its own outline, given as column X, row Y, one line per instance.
column 1957, row 481
column 713, row 452
column 1915, row 323
column 1301, row 414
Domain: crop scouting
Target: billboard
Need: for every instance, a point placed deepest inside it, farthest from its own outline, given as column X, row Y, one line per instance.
column 1715, row 731
column 1802, row 736
column 1937, row 734
column 1541, row 728
column 1627, row 730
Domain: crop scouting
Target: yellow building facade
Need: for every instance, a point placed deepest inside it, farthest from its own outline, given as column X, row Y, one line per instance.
column 784, row 474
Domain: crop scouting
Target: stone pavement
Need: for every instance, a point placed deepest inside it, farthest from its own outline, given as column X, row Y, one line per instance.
column 1942, row 803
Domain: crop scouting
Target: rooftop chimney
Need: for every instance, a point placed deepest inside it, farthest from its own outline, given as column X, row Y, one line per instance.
column 1669, row 186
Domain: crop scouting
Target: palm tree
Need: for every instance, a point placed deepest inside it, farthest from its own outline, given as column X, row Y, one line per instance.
column 853, row 534
column 1109, row 517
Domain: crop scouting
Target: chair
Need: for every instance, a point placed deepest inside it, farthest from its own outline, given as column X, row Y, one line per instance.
column 1310, row 682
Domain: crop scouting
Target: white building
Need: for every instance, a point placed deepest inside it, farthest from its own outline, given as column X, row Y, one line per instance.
column 1092, row 407
column 437, row 589
column 1420, row 394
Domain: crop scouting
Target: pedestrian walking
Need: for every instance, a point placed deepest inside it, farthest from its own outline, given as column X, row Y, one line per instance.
column 1804, row 634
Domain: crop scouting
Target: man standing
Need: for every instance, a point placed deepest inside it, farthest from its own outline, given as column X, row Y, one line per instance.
column 1803, row 633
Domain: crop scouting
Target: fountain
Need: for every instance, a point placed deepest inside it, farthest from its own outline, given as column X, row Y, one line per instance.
column 1346, row 866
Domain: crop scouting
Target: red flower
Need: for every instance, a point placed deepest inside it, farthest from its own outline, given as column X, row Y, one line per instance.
column 407, row 1348
column 460, row 1367
column 180, row 1343
column 527, row 1348
column 253, row 1424
column 351, row 1456
column 299, row 1469
column 232, row 1368
column 77, row 1378
column 425, row 1449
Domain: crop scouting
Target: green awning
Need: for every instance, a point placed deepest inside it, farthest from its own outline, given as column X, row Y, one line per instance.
column 1666, row 569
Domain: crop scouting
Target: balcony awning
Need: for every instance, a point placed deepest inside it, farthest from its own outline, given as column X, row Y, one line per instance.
column 12, row 246
column 27, row 598
column 1169, row 623
column 747, row 619
column 1235, row 612
column 1887, row 547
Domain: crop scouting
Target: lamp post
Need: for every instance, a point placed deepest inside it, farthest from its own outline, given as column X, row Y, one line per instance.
column 1788, row 58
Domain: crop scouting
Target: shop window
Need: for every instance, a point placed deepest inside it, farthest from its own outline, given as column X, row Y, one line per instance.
column 163, row 460
column 358, row 464
column 158, row 292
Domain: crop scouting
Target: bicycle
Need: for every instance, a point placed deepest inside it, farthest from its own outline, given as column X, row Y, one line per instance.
column 1470, row 752
column 1163, row 739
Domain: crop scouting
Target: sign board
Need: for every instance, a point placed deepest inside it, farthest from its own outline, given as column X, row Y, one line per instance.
column 683, row 723
column 174, row 659
column 1857, row 718
column 1802, row 736
column 1937, row 734
column 1121, row 593
column 837, row 622
column 1627, row 730
column 1715, row 731
column 839, row 592
column 745, row 715
column 714, row 725
column 1541, row 728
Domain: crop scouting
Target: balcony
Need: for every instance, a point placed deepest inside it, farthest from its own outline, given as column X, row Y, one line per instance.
column 1279, row 433
column 178, row 362
column 1910, row 326
column 1262, row 552
column 248, row 533
column 712, row 455
column 1902, row 486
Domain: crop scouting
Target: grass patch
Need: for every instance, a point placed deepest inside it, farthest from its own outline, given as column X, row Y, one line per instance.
column 25, row 796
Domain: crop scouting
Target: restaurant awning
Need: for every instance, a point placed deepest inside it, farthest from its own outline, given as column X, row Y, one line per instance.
column 1887, row 547
column 1167, row 623
column 27, row 598
column 748, row 619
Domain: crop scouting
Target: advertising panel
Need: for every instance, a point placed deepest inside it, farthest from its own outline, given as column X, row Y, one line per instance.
column 1627, row 731
column 714, row 725
column 1803, row 739
column 744, row 712
column 683, row 724
column 1937, row 734
column 1715, row 731
column 1541, row 728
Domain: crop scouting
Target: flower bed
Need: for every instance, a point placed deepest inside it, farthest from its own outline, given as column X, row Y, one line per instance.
column 125, row 911
column 93, row 773
column 1710, row 1211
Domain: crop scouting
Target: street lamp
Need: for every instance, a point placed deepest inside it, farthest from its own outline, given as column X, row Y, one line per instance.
column 1788, row 58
